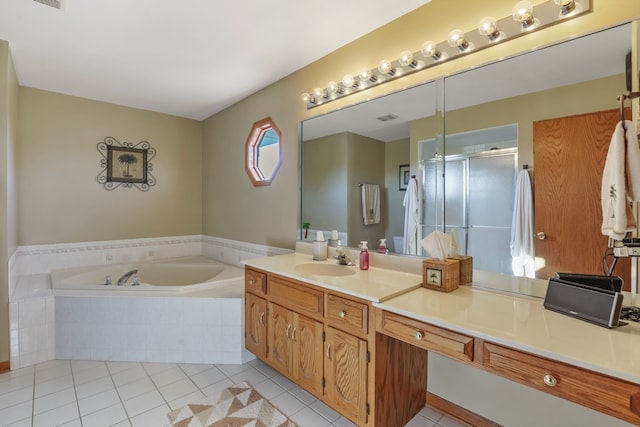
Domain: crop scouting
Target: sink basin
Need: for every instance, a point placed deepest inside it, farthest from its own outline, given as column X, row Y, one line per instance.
column 325, row 269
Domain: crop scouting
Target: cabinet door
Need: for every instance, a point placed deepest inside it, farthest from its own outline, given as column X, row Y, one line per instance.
column 255, row 325
column 306, row 336
column 346, row 374
column 280, row 326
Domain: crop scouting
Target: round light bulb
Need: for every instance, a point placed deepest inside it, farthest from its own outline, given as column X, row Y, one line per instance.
column 318, row 93
column 406, row 59
column 366, row 75
column 523, row 13
column 456, row 39
column 429, row 49
column 488, row 26
column 332, row 87
column 305, row 97
column 348, row 80
column 385, row 67
column 566, row 6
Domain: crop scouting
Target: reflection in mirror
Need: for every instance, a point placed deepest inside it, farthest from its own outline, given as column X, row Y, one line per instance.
column 263, row 152
column 466, row 164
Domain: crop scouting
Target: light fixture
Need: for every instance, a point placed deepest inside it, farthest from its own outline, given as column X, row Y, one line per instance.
column 406, row 59
column 488, row 26
column 430, row 49
column 566, row 6
column 385, row 67
column 490, row 31
column 456, row 39
column 523, row 13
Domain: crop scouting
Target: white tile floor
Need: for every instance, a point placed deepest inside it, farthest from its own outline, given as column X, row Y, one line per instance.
column 94, row 394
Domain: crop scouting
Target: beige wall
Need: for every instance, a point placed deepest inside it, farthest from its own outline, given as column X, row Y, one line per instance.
column 269, row 215
column 396, row 154
column 58, row 163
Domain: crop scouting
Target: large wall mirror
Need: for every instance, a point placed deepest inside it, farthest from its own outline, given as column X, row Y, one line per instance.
column 466, row 137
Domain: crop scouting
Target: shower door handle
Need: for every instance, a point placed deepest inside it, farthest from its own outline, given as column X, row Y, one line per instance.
column 541, row 235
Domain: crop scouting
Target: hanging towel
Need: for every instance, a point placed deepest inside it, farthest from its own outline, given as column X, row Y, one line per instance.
column 410, row 204
column 620, row 182
column 371, row 203
column 522, row 244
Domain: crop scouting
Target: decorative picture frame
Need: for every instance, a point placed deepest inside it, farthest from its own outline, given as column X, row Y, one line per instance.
column 126, row 164
column 404, row 175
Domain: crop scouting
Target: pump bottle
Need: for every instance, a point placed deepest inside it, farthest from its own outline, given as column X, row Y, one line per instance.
column 364, row 255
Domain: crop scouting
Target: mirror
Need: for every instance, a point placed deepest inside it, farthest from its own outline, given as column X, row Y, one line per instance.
column 263, row 152
column 484, row 139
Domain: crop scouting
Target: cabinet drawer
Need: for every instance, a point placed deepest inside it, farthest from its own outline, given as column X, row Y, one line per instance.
column 255, row 282
column 296, row 296
column 429, row 337
column 605, row 394
column 347, row 315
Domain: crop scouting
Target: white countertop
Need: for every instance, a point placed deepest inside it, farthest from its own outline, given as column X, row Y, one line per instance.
column 523, row 323
column 374, row 284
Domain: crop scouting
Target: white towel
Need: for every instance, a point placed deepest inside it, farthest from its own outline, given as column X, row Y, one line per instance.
column 522, row 239
column 620, row 182
column 410, row 204
column 371, row 203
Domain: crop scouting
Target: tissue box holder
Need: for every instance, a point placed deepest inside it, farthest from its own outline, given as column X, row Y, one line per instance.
column 466, row 268
column 440, row 274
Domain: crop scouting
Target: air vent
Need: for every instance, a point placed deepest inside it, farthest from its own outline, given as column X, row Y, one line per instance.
column 387, row 117
column 53, row 3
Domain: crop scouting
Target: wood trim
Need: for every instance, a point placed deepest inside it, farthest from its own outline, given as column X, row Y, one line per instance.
column 5, row 366
column 458, row 412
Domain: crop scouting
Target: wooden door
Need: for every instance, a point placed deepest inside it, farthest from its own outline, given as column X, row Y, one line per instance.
column 569, row 157
column 307, row 353
column 255, row 325
column 278, row 338
column 346, row 374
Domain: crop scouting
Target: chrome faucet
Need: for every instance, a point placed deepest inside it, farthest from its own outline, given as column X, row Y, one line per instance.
column 123, row 280
column 341, row 256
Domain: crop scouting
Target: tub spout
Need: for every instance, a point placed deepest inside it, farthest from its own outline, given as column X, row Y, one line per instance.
column 125, row 277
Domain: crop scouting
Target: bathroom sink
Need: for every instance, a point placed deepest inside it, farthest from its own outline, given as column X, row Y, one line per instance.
column 325, row 269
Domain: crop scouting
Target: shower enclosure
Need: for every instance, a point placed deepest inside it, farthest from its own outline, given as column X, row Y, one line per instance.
column 470, row 194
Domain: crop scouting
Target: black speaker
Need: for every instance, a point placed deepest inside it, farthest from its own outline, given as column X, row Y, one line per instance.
column 595, row 305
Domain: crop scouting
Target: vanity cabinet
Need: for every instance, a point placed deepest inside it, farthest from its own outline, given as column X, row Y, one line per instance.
column 317, row 338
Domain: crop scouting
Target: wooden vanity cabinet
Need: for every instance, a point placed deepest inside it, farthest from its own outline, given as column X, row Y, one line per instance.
column 316, row 338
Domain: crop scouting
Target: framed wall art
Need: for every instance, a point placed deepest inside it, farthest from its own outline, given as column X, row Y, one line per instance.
column 126, row 164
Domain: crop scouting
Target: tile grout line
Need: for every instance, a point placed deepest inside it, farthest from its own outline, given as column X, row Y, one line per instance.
column 75, row 392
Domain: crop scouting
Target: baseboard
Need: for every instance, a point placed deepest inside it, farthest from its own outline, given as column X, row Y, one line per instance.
column 458, row 412
column 5, row 366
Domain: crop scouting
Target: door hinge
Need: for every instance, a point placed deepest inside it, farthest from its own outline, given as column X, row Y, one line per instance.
column 324, row 336
column 323, row 382
column 368, row 357
column 366, row 408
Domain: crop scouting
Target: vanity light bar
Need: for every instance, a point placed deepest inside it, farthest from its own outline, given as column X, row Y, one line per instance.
column 524, row 19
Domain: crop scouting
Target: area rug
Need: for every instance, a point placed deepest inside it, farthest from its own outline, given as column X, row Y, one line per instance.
column 235, row 406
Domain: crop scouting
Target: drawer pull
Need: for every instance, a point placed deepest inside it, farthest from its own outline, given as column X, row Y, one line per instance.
column 419, row 335
column 251, row 281
column 550, row 380
column 293, row 334
column 342, row 314
column 261, row 318
column 329, row 351
column 287, row 332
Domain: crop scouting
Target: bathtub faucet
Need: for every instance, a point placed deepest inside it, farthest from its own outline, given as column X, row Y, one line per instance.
column 125, row 277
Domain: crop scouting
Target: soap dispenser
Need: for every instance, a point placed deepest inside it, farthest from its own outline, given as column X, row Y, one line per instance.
column 382, row 247
column 364, row 255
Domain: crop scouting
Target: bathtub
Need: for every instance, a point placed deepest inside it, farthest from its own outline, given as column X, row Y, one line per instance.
column 186, row 310
column 164, row 277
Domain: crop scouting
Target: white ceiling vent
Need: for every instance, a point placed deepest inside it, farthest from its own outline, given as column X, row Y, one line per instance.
column 58, row 4
column 387, row 117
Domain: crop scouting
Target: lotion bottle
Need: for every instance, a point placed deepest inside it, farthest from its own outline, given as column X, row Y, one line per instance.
column 364, row 255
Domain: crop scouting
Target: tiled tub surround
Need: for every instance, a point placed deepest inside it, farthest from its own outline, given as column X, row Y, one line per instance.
column 32, row 303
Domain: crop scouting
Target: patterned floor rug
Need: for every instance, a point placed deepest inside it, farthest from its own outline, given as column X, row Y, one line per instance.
column 235, row 406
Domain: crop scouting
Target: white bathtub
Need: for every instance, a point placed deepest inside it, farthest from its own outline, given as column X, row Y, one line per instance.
column 186, row 310
column 164, row 277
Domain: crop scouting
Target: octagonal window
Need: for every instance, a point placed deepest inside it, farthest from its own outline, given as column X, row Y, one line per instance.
column 263, row 152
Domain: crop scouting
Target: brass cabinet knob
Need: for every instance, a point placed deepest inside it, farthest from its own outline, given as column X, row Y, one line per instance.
column 550, row 380
column 419, row 335
column 251, row 281
column 342, row 314
column 541, row 235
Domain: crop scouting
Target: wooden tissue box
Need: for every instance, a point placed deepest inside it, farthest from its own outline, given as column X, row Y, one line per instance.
column 440, row 274
column 466, row 268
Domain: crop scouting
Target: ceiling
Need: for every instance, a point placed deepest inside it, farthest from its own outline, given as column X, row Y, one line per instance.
column 562, row 64
column 189, row 58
